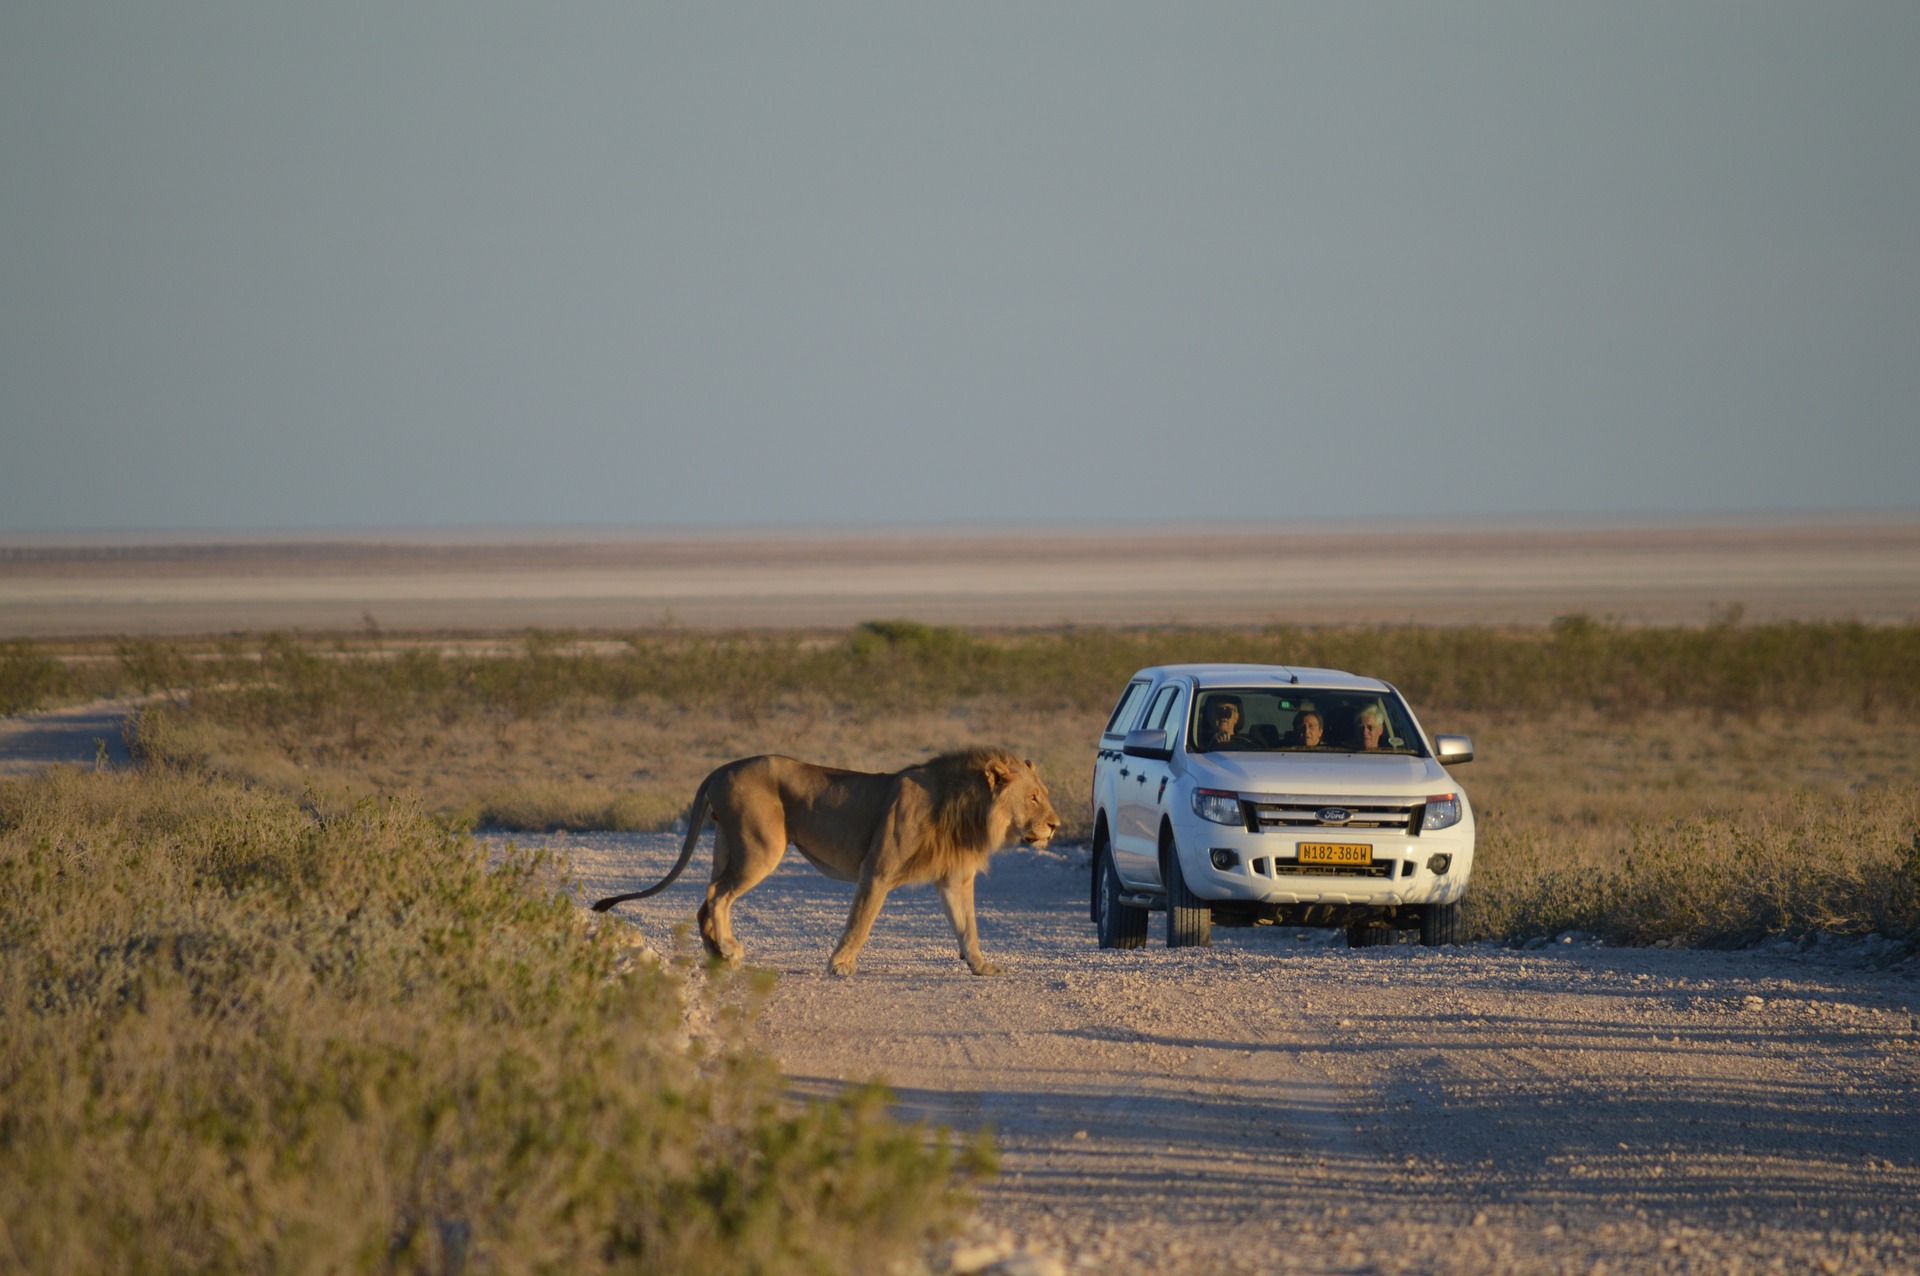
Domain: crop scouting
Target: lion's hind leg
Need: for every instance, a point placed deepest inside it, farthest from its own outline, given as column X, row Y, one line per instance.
column 742, row 858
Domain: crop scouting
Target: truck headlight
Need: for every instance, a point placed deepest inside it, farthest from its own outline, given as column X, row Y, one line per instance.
column 1219, row 806
column 1443, row 811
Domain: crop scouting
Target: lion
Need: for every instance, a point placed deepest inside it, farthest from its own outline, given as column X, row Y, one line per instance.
column 939, row 821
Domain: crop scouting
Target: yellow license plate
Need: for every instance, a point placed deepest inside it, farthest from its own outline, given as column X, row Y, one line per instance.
column 1335, row 853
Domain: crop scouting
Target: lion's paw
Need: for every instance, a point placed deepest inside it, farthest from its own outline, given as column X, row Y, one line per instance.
column 840, row 969
column 989, row 968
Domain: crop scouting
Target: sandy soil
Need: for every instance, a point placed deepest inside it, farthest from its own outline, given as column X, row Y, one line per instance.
column 1280, row 1103
column 1866, row 568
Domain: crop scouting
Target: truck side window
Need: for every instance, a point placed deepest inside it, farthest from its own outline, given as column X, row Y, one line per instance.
column 1157, row 714
column 1129, row 700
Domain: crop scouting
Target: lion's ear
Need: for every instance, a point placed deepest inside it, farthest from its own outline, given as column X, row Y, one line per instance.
column 998, row 773
column 1031, row 766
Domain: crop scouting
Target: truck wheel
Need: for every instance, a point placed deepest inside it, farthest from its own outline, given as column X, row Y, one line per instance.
column 1093, row 892
column 1440, row 924
column 1369, row 935
column 1189, row 918
column 1118, row 925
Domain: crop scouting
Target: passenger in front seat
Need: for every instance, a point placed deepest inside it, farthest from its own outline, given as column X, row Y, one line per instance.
column 1309, row 731
column 1371, row 727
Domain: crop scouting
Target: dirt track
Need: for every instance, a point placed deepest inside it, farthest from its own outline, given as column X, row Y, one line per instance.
column 81, row 735
column 1279, row 1103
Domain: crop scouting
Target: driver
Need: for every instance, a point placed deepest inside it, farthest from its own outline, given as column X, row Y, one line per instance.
column 1220, row 723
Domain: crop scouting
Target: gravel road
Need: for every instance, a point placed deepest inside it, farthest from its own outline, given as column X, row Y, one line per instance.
column 82, row 735
column 1281, row 1103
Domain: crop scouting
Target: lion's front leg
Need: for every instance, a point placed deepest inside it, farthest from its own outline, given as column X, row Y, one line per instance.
column 866, row 906
column 956, row 895
column 888, row 852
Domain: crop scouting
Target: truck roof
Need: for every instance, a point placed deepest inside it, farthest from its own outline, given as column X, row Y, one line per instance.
column 1234, row 675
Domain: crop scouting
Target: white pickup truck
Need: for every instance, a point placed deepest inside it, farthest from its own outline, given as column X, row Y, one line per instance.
column 1242, row 795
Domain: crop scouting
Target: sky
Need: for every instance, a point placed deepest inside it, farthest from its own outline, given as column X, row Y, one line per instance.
column 629, row 265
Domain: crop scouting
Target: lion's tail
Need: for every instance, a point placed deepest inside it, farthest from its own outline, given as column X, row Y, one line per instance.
column 696, row 821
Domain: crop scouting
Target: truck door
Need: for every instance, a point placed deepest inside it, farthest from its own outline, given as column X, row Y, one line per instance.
column 1140, row 789
column 1107, row 764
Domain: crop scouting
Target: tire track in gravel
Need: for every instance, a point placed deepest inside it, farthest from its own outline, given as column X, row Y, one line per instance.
column 1275, row 1103
column 78, row 735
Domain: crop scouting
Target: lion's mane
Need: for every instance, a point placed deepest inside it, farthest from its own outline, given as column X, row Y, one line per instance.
column 962, row 824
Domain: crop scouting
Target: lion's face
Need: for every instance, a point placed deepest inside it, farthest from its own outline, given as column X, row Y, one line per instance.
column 1021, row 795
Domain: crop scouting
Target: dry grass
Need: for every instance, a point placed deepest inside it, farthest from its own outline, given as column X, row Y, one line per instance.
column 1685, row 828
column 1601, row 747
column 629, row 766
column 235, row 1036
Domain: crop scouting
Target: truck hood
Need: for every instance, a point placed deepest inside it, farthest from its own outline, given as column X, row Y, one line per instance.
column 1328, row 774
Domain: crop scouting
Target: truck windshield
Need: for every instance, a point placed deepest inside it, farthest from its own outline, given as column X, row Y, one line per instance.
column 1263, row 720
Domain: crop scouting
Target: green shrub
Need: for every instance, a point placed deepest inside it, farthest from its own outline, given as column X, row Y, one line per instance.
column 29, row 678
column 237, row 1037
column 1576, row 663
column 151, row 665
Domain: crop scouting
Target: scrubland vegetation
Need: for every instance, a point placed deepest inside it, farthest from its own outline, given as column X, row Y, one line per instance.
column 239, row 1036
column 263, row 1006
column 1705, row 785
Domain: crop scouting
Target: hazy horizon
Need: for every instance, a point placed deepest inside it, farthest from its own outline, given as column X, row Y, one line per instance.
column 1326, row 526
column 852, row 265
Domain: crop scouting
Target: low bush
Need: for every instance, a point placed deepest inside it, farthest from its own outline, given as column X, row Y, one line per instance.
column 236, row 1036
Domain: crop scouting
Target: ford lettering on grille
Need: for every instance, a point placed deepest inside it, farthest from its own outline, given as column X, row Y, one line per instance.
column 1333, row 815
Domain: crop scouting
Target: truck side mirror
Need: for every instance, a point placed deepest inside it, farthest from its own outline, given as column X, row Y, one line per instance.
column 1453, row 749
column 1148, row 744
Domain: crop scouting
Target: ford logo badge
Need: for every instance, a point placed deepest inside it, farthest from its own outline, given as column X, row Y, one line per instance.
column 1333, row 815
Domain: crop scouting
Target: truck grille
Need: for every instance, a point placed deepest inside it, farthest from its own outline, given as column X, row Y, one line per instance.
column 1278, row 867
column 1399, row 814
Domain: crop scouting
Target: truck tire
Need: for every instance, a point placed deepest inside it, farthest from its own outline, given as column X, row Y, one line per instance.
column 1189, row 918
column 1093, row 890
column 1440, row 924
column 1118, row 925
column 1370, row 935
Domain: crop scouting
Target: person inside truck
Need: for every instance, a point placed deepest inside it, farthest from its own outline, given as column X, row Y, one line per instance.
column 1309, row 731
column 1370, row 727
column 1220, row 723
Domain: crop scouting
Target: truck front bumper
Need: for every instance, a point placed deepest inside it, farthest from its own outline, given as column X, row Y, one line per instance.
column 1228, row 866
